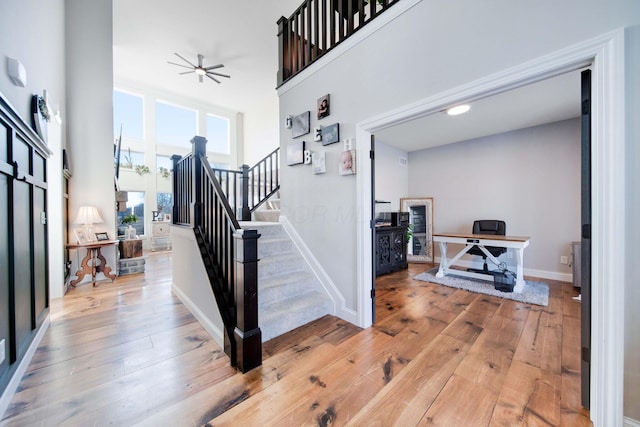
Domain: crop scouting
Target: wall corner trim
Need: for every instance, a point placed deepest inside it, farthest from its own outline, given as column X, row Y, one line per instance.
column 211, row 329
column 339, row 307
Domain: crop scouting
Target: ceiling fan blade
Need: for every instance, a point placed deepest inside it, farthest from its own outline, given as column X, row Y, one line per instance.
column 179, row 65
column 218, row 74
column 200, row 78
column 215, row 80
column 200, row 58
column 213, row 67
column 185, row 60
column 188, row 72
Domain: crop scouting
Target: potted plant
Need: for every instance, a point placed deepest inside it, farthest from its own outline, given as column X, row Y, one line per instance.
column 130, row 219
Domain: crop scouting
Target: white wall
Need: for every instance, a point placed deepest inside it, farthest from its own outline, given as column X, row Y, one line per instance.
column 530, row 178
column 191, row 284
column 261, row 131
column 89, row 94
column 632, row 294
column 392, row 178
column 32, row 32
column 433, row 47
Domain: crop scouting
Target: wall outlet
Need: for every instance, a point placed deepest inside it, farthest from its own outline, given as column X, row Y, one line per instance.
column 2, row 355
column 564, row 260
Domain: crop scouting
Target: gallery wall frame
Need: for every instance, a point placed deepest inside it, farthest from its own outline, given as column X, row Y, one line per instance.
column 301, row 124
column 295, row 153
column 331, row 134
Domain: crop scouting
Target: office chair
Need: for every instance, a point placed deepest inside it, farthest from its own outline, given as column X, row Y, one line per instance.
column 488, row 226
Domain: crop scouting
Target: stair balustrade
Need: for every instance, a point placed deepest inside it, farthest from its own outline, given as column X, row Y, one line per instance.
column 248, row 188
column 229, row 253
column 317, row 26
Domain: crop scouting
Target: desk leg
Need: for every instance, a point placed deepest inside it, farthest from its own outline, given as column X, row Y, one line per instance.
column 519, row 287
column 84, row 269
column 443, row 260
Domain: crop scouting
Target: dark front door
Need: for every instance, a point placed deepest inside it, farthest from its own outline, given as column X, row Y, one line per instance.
column 585, row 260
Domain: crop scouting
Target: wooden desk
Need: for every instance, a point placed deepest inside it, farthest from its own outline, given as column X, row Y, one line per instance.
column 93, row 262
column 480, row 240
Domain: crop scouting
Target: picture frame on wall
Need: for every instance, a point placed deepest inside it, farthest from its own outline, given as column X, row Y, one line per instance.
column 318, row 160
column 420, row 245
column 347, row 165
column 295, row 153
column 323, row 107
column 331, row 134
column 301, row 124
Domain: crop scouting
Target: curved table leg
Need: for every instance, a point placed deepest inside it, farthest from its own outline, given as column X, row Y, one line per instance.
column 103, row 267
column 84, row 269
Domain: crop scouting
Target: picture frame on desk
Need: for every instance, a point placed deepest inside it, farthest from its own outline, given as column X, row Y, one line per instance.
column 81, row 236
column 102, row 237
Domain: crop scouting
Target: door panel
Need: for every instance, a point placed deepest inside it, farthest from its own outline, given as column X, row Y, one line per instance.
column 372, row 156
column 586, row 239
column 22, row 266
column 4, row 276
column 39, row 256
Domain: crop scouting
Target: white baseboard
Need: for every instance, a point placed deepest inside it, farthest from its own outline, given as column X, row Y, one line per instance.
column 7, row 394
column 630, row 422
column 215, row 333
column 541, row 274
column 340, row 309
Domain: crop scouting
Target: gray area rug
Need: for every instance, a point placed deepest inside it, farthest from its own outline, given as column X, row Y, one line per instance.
column 533, row 293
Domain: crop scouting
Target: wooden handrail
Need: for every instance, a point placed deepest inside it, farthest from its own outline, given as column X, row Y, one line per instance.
column 248, row 188
column 317, row 26
column 229, row 253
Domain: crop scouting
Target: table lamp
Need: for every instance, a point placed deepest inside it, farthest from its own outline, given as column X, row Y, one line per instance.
column 87, row 216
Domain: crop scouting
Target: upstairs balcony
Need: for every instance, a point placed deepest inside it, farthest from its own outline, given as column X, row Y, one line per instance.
column 317, row 26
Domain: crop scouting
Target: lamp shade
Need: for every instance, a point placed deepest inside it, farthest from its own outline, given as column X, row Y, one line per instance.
column 88, row 215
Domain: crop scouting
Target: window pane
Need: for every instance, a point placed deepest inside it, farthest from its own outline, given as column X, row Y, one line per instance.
column 130, row 159
column 217, row 134
column 175, row 126
column 128, row 112
column 165, row 203
column 134, row 205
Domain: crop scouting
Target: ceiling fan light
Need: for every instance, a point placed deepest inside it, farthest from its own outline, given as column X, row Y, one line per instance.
column 458, row 109
column 200, row 71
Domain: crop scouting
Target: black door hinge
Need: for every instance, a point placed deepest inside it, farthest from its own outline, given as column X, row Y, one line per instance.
column 373, row 293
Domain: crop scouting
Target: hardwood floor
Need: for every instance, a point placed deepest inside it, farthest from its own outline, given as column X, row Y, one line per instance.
column 129, row 353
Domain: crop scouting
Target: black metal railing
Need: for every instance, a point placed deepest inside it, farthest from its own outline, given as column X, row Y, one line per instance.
column 248, row 188
column 317, row 26
column 229, row 253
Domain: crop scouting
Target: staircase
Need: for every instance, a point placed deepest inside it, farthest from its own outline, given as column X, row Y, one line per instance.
column 269, row 211
column 289, row 294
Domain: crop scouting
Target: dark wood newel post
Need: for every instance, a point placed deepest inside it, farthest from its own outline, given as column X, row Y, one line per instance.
column 199, row 150
column 247, row 334
column 284, row 56
column 175, row 211
column 245, row 214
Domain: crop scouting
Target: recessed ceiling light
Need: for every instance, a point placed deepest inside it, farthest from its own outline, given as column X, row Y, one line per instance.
column 458, row 109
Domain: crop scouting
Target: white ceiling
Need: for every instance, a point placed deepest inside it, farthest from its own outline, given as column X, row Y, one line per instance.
column 547, row 101
column 241, row 34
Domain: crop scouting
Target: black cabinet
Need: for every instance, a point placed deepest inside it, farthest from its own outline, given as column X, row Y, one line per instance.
column 391, row 249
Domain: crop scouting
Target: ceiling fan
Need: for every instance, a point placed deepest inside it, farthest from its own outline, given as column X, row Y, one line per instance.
column 200, row 69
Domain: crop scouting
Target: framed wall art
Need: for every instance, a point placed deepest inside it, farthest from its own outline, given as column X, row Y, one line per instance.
column 301, row 124
column 323, row 107
column 295, row 153
column 331, row 134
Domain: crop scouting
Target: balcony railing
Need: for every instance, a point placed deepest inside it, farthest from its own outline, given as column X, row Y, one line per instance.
column 317, row 26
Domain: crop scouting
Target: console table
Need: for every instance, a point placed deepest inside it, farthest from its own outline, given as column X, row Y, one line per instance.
column 93, row 262
column 481, row 240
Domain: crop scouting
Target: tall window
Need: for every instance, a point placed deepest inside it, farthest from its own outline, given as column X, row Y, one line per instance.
column 217, row 134
column 134, row 205
column 175, row 126
column 128, row 112
column 165, row 203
